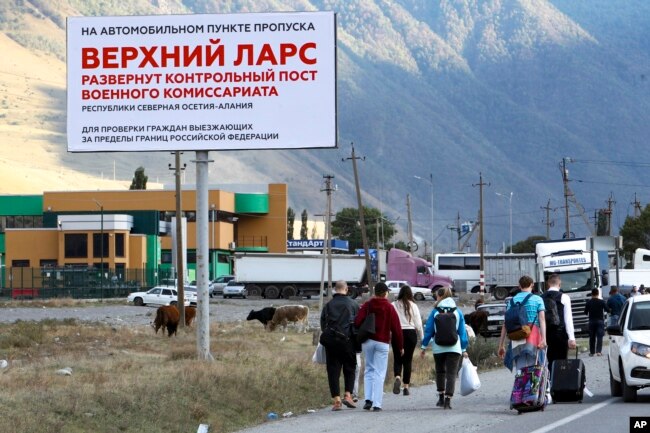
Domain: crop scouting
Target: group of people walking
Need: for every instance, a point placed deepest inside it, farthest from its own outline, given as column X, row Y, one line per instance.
column 397, row 324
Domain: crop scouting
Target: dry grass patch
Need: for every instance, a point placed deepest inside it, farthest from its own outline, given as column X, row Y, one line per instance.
column 60, row 303
column 131, row 380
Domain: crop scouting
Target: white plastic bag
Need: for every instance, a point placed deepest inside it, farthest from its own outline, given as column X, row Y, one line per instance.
column 469, row 381
column 319, row 355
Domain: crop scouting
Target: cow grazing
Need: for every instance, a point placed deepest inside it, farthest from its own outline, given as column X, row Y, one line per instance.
column 297, row 314
column 167, row 316
column 190, row 314
column 478, row 320
column 265, row 315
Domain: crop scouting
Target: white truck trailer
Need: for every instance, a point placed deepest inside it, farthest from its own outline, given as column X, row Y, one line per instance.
column 503, row 271
column 287, row 275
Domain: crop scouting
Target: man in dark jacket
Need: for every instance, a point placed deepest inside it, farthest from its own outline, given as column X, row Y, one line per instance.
column 595, row 309
column 615, row 304
column 335, row 322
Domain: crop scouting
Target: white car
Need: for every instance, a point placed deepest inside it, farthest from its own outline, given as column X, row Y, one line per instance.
column 629, row 349
column 159, row 295
column 496, row 316
column 233, row 288
column 192, row 286
column 419, row 293
column 221, row 282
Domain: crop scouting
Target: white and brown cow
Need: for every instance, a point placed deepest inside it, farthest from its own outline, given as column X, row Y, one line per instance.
column 297, row 314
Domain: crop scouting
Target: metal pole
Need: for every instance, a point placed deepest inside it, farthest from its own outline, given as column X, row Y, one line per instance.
column 565, row 180
column 432, row 233
column 510, row 222
column 203, row 307
column 101, row 246
column 180, row 269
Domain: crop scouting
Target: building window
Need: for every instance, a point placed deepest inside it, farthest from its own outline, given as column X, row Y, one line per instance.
column 76, row 246
column 119, row 245
column 20, row 263
column 48, row 263
column 97, row 245
column 223, row 258
column 166, row 257
column 191, row 257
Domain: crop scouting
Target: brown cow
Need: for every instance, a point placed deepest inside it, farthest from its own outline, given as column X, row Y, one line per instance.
column 190, row 314
column 289, row 313
column 167, row 316
column 478, row 320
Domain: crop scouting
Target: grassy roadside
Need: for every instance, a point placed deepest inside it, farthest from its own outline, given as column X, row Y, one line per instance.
column 60, row 303
column 132, row 380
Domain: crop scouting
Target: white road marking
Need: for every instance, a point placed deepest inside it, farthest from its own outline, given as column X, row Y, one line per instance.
column 574, row 417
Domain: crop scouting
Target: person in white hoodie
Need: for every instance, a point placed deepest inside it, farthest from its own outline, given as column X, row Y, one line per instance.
column 411, row 321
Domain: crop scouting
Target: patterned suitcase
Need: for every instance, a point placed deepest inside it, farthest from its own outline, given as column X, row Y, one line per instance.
column 529, row 389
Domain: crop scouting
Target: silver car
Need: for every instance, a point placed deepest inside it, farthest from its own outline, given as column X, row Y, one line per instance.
column 233, row 288
column 220, row 283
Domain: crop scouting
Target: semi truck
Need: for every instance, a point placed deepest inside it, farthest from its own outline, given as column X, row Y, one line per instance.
column 287, row 275
column 502, row 271
column 578, row 268
column 402, row 266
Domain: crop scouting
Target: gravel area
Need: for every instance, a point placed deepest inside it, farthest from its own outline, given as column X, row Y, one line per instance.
column 221, row 310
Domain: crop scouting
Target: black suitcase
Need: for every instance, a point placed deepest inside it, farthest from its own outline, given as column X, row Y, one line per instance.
column 568, row 380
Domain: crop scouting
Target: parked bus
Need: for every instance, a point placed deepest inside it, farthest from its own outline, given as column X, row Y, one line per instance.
column 463, row 268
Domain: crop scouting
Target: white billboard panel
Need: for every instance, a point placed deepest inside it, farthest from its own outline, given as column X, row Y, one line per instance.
column 202, row 82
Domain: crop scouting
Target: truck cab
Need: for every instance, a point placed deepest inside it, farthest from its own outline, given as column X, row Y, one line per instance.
column 415, row 270
column 573, row 261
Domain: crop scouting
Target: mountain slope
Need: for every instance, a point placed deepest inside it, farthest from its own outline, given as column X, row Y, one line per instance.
column 456, row 87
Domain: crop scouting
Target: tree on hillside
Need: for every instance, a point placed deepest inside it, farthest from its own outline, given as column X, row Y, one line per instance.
column 303, row 225
column 291, row 219
column 346, row 226
column 527, row 245
column 139, row 179
column 636, row 232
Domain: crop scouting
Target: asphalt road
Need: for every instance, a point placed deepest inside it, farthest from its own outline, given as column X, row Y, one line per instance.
column 486, row 410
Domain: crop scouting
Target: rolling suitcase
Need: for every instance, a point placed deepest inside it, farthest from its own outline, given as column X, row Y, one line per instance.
column 529, row 389
column 568, row 380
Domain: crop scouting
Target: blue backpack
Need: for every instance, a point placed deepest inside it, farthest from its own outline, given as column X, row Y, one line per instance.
column 516, row 320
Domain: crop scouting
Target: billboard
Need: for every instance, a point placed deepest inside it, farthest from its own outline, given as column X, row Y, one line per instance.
column 201, row 82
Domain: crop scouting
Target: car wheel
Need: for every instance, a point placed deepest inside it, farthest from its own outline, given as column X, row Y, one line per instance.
column 629, row 392
column 614, row 386
column 419, row 297
column 501, row 293
column 138, row 302
column 174, row 303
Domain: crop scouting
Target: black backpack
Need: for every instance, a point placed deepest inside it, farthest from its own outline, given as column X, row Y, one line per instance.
column 445, row 326
column 552, row 313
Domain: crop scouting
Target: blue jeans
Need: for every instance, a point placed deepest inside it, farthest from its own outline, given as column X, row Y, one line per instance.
column 376, row 354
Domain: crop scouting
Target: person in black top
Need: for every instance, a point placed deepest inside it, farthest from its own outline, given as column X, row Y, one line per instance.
column 335, row 322
column 595, row 308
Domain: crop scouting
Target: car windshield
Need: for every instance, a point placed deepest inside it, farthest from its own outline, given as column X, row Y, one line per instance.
column 639, row 316
column 494, row 309
column 232, row 283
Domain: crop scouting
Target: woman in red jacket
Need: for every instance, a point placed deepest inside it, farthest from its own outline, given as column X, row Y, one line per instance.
column 375, row 349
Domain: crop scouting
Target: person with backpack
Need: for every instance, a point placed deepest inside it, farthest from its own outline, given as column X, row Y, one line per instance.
column 375, row 348
column 524, row 320
column 446, row 327
column 411, row 322
column 595, row 309
column 559, row 326
column 337, row 339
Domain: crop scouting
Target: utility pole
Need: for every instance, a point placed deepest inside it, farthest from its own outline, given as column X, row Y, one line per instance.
column 409, row 224
column 378, row 255
column 328, row 232
column 548, row 221
column 362, row 220
column 458, row 229
column 565, row 181
column 481, row 246
column 610, row 203
column 637, row 207
column 180, row 270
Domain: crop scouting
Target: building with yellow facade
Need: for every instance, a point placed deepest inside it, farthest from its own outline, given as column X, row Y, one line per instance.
column 106, row 243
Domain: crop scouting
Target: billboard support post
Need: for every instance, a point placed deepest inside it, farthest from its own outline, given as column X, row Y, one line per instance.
column 203, row 302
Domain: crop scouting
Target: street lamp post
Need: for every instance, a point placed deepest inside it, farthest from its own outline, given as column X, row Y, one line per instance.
column 510, row 212
column 432, row 232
